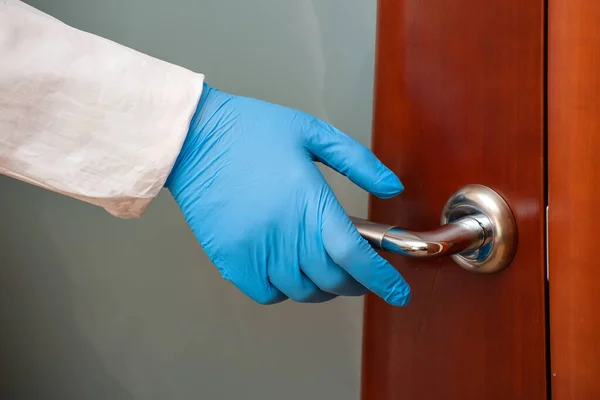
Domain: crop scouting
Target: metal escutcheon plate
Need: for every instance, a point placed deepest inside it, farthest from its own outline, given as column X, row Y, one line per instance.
column 501, row 228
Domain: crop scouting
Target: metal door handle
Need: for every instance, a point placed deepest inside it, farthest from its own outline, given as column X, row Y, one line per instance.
column 478, row 230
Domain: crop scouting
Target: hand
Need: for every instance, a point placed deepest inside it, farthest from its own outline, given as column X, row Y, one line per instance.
column 248, row 186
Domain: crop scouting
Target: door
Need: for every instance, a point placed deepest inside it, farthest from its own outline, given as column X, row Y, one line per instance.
column 574, row 197
column 460, row 99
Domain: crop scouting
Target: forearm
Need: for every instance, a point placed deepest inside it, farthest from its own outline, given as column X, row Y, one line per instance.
column 87, row 117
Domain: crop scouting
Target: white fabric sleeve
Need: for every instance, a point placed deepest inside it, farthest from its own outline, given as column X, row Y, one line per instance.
column 86, row 117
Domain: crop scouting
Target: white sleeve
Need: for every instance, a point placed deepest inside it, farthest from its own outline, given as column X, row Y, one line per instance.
column 87, row 117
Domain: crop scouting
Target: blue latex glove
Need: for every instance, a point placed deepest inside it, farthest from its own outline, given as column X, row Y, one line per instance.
column 248, row 186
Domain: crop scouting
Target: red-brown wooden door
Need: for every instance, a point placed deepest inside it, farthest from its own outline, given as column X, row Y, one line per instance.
column 459, row 99
column 574, row 197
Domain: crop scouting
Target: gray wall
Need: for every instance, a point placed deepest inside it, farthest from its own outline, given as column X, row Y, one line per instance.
column 92, row 307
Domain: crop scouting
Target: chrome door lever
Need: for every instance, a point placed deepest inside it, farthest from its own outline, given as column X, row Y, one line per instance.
column 477, row 229
column 464, row 234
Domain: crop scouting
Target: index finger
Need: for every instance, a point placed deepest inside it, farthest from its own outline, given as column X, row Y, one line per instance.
column 351, row 159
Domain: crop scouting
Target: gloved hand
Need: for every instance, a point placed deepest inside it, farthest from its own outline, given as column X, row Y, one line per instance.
column 248, row 186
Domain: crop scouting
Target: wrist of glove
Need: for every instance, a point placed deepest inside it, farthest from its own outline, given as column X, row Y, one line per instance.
column 248, row 186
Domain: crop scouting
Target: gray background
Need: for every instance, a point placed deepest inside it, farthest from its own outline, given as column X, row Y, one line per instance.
column 92, row 307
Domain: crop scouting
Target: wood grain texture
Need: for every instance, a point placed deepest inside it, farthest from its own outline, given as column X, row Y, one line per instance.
column 459, row 99
column 574, row 196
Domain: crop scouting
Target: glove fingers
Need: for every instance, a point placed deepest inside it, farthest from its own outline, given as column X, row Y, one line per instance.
column 252, row 284
column 295, row 285
column 265, row 294
column 283, row 269
column 350, row 251
column 329, row 277
column 350, row 158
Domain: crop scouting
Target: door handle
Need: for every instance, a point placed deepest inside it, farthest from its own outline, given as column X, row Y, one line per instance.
column 478, row 230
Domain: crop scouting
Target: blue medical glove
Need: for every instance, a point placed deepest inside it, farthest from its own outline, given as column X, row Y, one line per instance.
column 248, row 186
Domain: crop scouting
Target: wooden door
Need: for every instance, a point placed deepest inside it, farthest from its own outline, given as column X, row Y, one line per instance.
column 574, row 197
column 460, row 99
